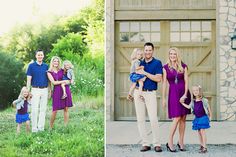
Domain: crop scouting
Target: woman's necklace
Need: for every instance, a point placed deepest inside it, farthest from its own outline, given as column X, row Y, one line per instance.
column 176, row 78
column 176, row 75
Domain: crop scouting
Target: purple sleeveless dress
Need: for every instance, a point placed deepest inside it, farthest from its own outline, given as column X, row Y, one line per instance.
column 57, row 102
column 176, row 91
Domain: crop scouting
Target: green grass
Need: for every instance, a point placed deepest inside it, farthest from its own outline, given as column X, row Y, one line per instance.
column 84, row 135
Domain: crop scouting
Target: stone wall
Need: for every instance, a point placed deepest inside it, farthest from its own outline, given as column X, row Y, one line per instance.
column 227, row 94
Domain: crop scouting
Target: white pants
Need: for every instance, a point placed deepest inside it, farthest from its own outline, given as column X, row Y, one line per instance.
column 150, row 102
column 39, row 106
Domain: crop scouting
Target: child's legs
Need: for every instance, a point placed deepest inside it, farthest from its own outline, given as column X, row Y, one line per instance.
column 200, row 137
column 140, row 86
column 63, row 88
column 18, row 128
column 133, row 85
column 27, row 126
column 204, row 138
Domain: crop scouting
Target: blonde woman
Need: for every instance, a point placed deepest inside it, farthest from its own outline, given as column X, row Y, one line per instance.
column 55, row 75
column 176, row 73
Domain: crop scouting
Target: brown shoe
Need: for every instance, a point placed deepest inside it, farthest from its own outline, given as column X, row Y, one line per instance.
column 130, row 98
column 145, row 148
column 158, row 149
column 204, row 150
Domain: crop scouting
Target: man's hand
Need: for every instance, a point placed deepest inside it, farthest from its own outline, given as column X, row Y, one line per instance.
column 141, row 72
column 49, row 94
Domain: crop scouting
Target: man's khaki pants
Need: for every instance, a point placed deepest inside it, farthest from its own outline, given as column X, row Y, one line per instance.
column 39, row 106
column 149, row 102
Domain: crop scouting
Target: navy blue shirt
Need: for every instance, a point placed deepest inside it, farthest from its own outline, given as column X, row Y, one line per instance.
column 38, row 73
column 153, row 67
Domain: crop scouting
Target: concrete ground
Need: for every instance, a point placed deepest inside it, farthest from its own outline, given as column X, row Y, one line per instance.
column 122, row 139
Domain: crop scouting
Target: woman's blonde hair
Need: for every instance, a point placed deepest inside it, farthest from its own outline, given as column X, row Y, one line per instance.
column 67, row 62
column 200, row 92
column 134, row 53
column 24, row 88
column 51, row 63
column 179, row 60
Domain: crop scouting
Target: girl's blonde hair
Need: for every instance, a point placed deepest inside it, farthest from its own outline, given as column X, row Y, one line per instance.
column 179, row 60
column 51, row 63
column 134, row 53
column 200, row 92
column 67, row 62
column 24, row 88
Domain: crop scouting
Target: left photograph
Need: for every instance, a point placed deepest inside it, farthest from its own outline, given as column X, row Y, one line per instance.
column 52, row 78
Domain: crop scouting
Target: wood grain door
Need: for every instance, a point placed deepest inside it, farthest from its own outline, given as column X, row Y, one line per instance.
column 195, row 39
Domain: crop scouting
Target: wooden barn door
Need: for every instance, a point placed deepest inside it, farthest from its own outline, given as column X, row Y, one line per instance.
column 196, row 41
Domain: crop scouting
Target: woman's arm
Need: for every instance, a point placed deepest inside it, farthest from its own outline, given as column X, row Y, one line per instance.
column 210, row 113
column 53, row 81
column 164, row 83
column 186, row 85
column 186, row 81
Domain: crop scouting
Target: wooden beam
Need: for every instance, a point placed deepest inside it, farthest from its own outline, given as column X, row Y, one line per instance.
column 165, row 14
column 203, row 56
column 125, row 55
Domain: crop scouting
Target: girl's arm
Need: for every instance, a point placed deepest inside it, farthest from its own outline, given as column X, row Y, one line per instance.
column 164, row 83
column 53, row 81
column 186, row 106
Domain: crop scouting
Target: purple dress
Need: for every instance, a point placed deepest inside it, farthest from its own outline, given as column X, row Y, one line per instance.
column 57, row 102
column 176, row 91
column 201, row 120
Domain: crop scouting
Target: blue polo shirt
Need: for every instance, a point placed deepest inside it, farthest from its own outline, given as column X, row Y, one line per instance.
column 153, row 67
column 38, row 73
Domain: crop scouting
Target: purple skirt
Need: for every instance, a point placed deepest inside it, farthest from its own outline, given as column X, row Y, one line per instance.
column 201, row 123
column 21, row 118
column 135, row 77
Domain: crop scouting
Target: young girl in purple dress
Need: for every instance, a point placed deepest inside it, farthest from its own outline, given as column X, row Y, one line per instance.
column 136, row 57
column 200, row 108
column 22, row 105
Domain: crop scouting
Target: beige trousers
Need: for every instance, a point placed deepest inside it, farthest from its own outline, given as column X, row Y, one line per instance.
column 149, row 102
column 39, row 106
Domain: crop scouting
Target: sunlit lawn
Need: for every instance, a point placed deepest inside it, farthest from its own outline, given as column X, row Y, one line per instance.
column 84, row 135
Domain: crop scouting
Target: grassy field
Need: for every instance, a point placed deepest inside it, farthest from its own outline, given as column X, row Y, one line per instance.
column 83, row 137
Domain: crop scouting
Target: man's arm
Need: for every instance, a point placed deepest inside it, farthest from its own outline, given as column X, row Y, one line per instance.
column 156, row 78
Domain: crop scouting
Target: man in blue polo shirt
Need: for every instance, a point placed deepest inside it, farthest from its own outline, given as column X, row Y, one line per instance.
column 153, row 72
column 38, row 80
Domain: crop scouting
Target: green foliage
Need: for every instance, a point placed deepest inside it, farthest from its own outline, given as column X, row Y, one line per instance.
column 94, row 18
column 70, row 47
column 83, row 137
column 12, row 78
column 78, row 38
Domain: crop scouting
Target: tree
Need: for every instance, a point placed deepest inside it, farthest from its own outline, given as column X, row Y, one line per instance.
column 70, row 47
column 12, row 79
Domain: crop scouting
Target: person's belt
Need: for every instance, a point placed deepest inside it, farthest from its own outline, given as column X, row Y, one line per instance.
column 146, row 90
column 41, row 87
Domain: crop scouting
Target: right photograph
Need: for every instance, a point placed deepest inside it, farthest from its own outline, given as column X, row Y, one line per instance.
column 170, row 78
